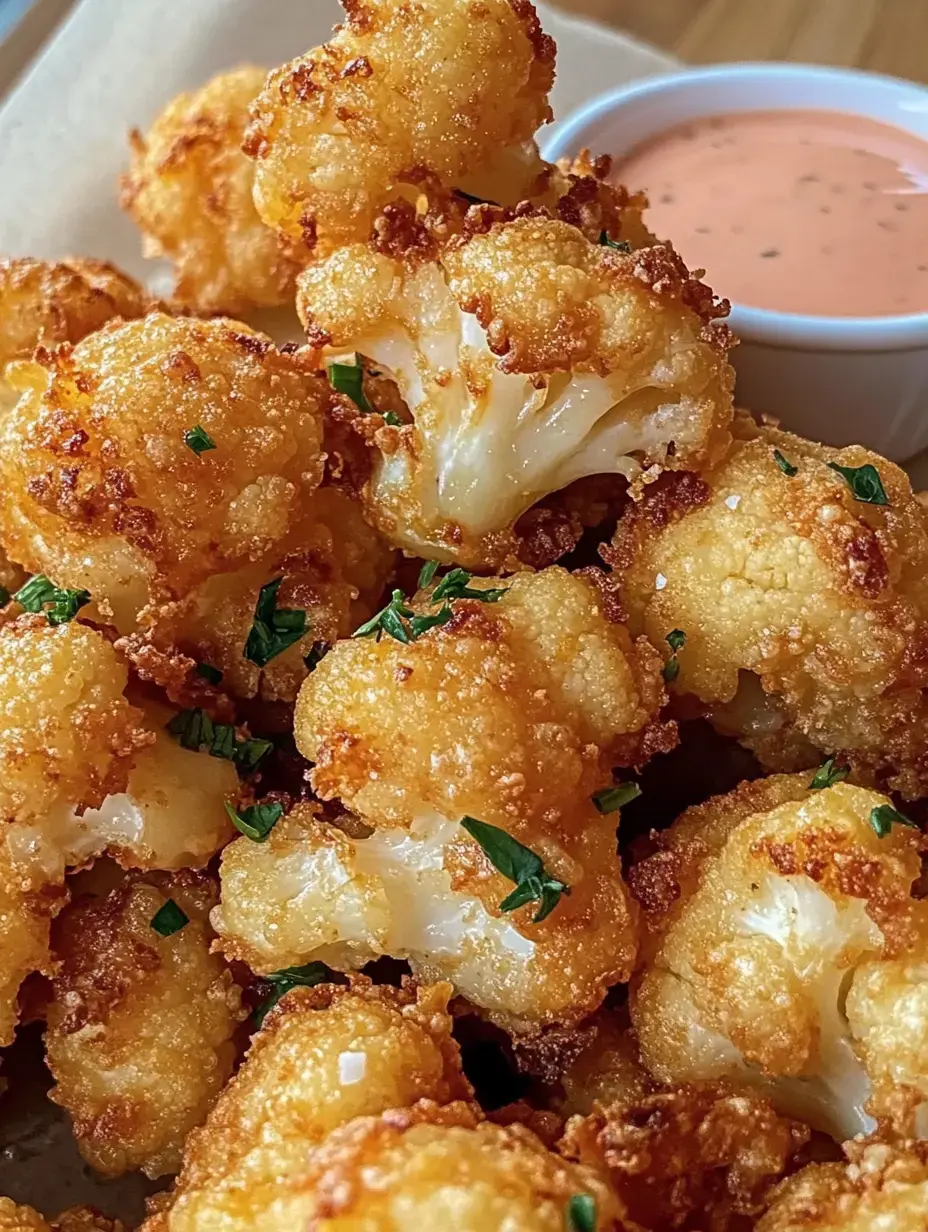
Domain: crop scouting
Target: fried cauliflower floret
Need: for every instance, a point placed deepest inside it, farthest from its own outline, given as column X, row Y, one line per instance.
column 189, row 189
column 67, row 732
column 529, row 358
column 140, row 1024
column 757, row 927
column 428, row 894
column 43, row 303
column 602, row 1069
column 15, row 1218
column 692, row 1158
column 100, row 489
column 25, row 921
column 401, row 92
column 788, row 580
column 445, row 1168
column 881, row 1189
column 512, row 711
column 333, row 566
column 325, row 1056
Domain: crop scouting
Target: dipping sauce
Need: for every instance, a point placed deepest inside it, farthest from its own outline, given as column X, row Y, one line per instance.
column 815, row 212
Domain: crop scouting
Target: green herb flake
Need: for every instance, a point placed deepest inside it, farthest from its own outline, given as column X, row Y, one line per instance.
column 207, row 672
column 59, row 604
column 426, row 573
column 581, row 1213
column 618, row 245
column 195, row 730
column 348, row 379
column 611, row 799
column 392, row 420
column 290, row 977
column 389, row 619
column 884, row 816
column 274, row 629
column 454, row 585
column 169, row 919
column 199, row 440
column 785, row 466
column 521, row 865
column 828, row 774
column 249, row 752
column 676, row 640
column 431, row 620
column 865, row 483
column 257, row 821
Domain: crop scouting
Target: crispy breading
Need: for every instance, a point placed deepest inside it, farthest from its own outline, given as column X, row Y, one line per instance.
column 140, row 1025
column 694, row 1158
column 25, row 920
column 430, row 895
column 67, row 732
column 881, row 1188
column 100, row 489
column 400, row 93
column 512, row 711
column 528, row 357
column 788, row 578
column 189, row 189
column 446, row 1168
column 43, row 303
column 15, row 1218
column 334, row 568
column 325, row 1056
column 603, row 1070
column 756, row 930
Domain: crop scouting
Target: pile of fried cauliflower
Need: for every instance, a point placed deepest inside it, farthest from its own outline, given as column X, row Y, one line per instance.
column 327, row 671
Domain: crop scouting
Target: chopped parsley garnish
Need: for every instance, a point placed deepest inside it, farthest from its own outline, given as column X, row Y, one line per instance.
column 290, row 977
column 257, row 821
column 317, row 653
column 784, row 464
column 59, row 604
column 348, row 379
column 169, row 919
column 274, row 629
column 195, row 730
column 676, row 640
column 426, row 573
column 207, row 672
column 828, row 774
column 618, row 245
column 581, row 1213
column 865, row 483
column 199, row 440
column 392, row 419
column 403, row 624
column 611, row 799
column 884, row 816
column 521, row 865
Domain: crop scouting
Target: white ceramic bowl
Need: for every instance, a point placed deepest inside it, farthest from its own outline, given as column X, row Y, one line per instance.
column 835, row 379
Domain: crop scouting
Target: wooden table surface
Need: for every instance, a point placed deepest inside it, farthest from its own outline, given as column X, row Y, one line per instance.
column 889, row 36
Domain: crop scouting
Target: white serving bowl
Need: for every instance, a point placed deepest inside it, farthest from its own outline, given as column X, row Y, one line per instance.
column 835, row 379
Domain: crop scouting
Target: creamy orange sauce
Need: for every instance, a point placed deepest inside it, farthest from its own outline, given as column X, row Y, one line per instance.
column 800, row 211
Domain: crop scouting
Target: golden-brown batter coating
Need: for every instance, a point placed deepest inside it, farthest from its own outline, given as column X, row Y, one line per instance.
column 513, row 711
column 694, row 1158
column 43, row 303
column 189, row 189
column 140, row 1025
column 25, row 921
column 529, row 357
column 445, row 1168
column 15, row 1218
column 325, row 1056
column 881, row 1189
column 788, row 580
column 334, row 568
column 756, row 930
column 401, row 93
column 99, row 487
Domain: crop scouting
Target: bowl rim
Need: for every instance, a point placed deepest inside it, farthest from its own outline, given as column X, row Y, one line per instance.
column 786, row 329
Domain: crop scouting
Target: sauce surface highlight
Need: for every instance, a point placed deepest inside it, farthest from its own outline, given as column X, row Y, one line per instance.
column 814, row 212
